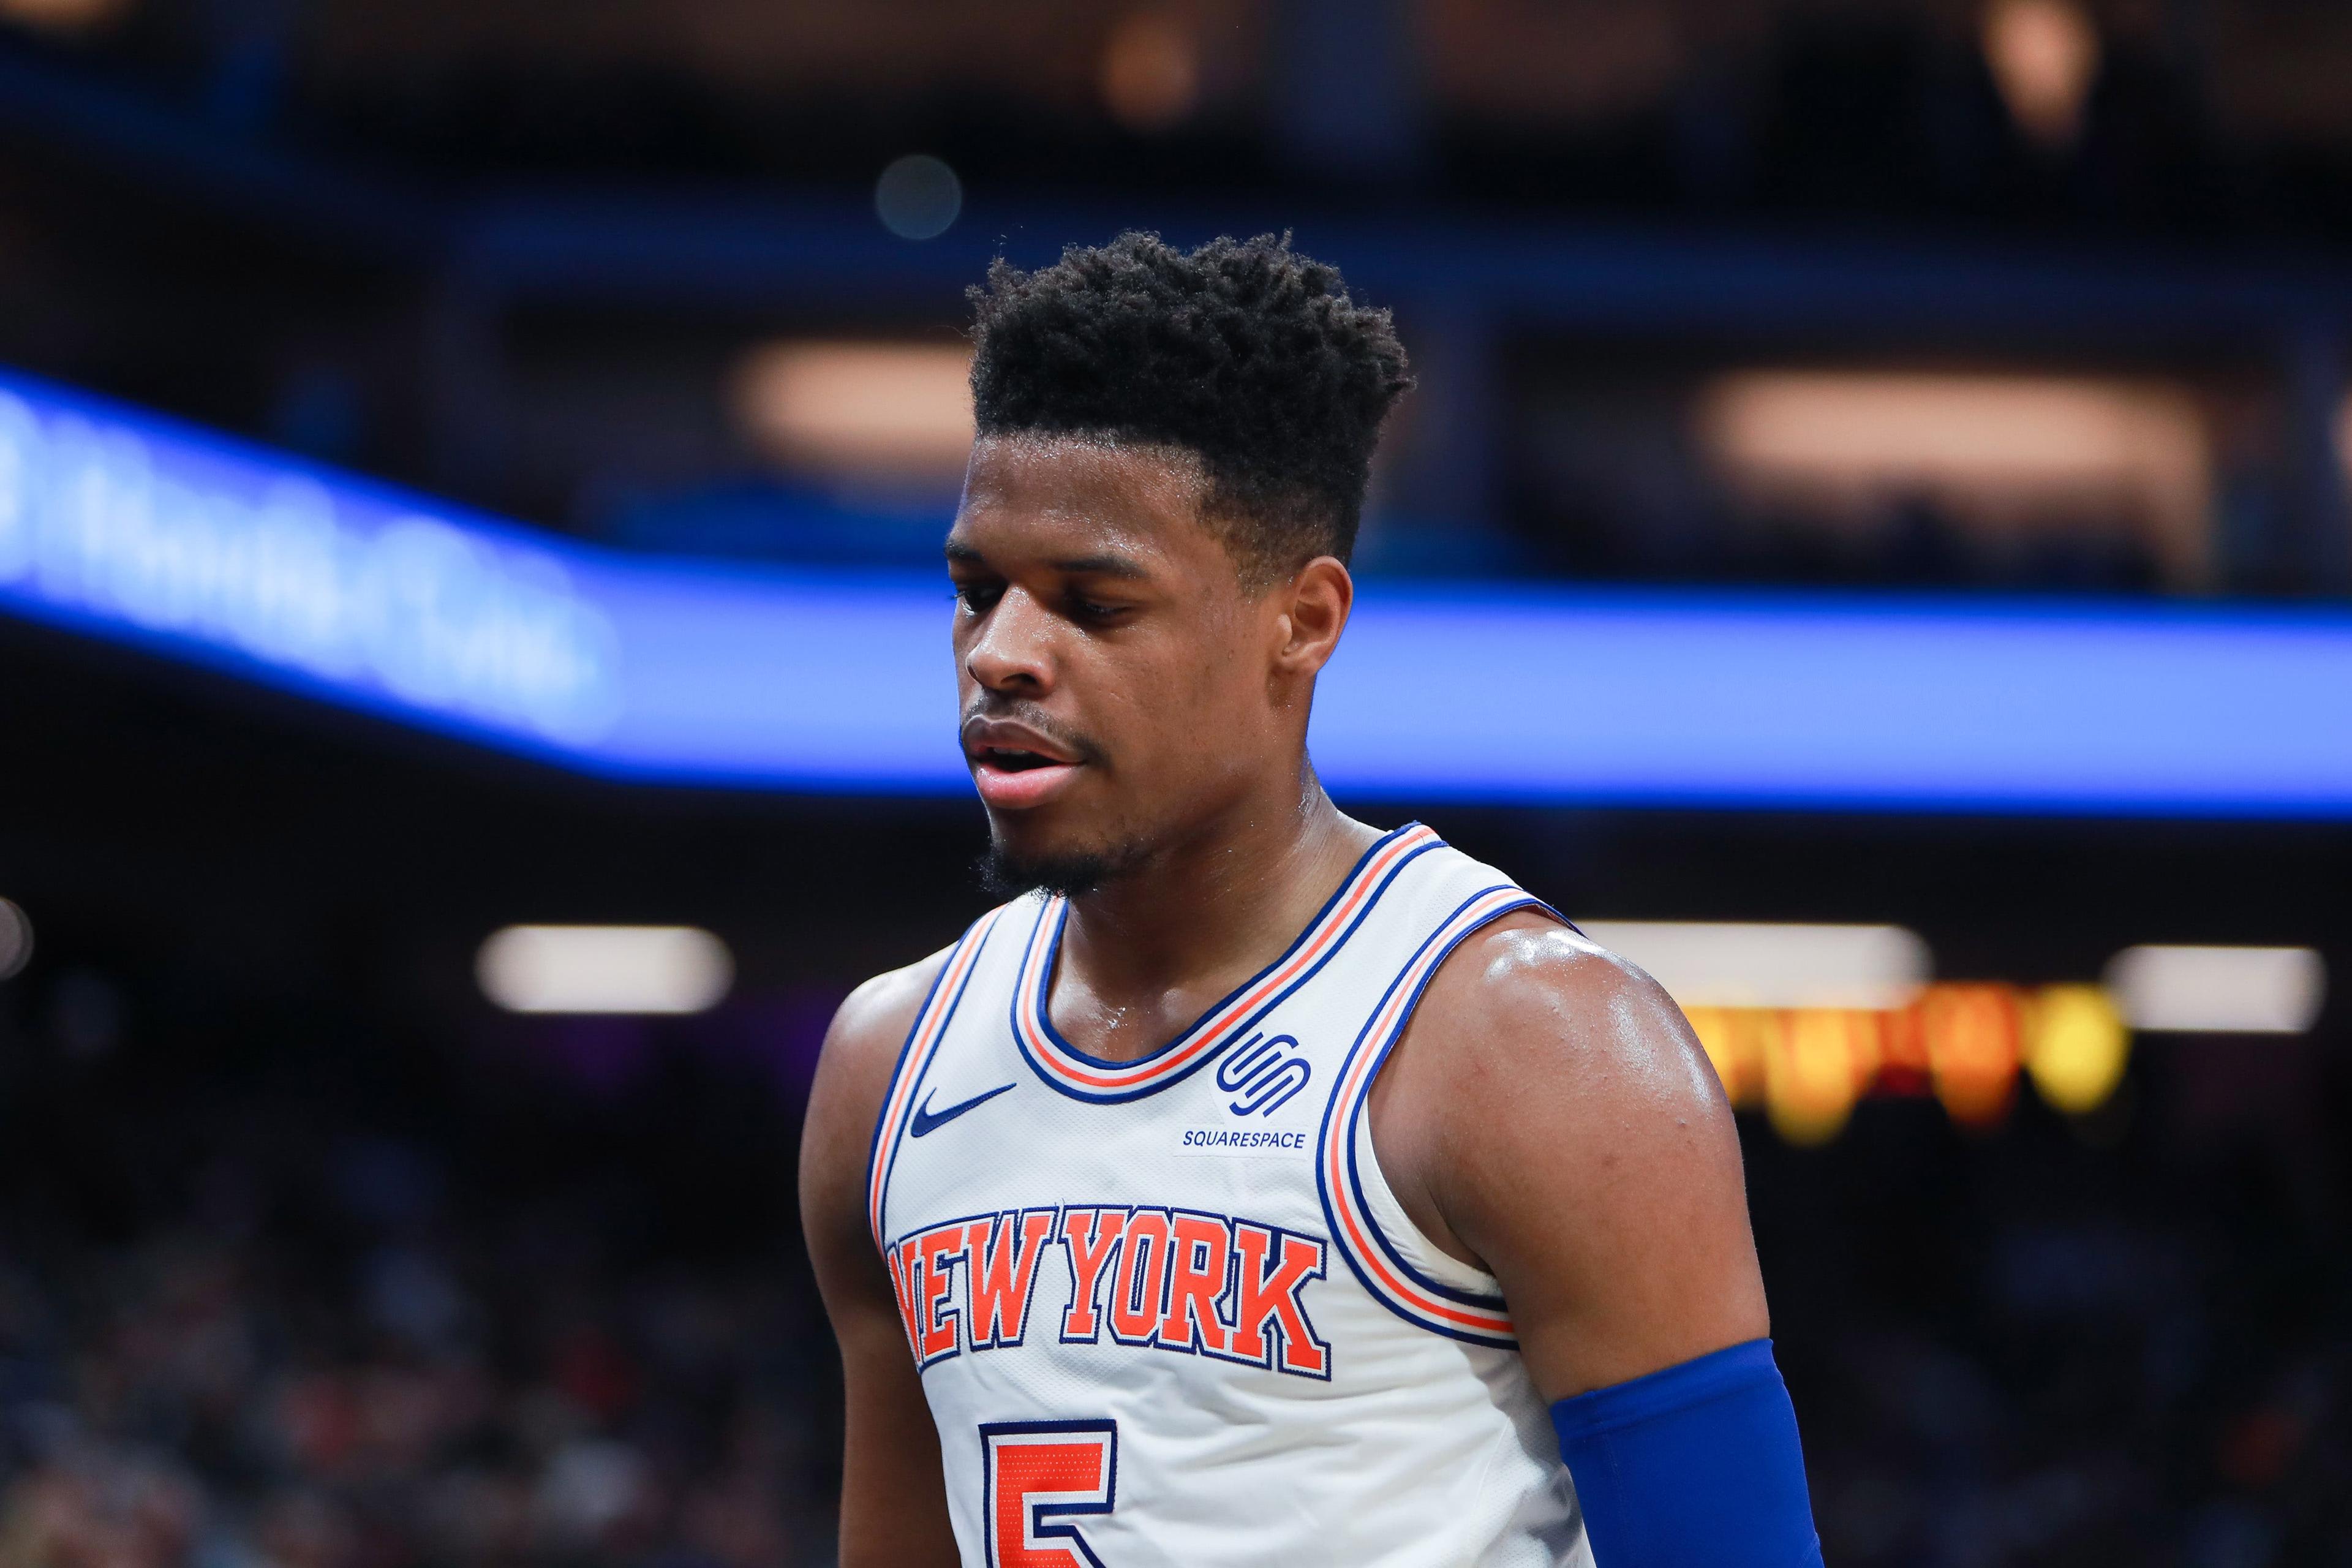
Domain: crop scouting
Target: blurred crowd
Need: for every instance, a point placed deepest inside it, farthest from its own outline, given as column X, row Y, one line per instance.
column 2069, row 1345
column 256, row 1325
column 190, row 1399
column 277, row 1338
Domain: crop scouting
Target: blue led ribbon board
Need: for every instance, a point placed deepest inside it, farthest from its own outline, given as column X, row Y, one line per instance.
column 137, row 529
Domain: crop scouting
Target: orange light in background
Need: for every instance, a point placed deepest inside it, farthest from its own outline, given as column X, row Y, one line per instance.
column 63, row 15
column 1808, row 1066
column 1971, row 1033
column 887, row 414
column 1817, row 1062
column 1735, row 1047
column 1902, row 1066
column 2006, row 451
column 2043, row 55
column 1150, row 71
column 1865, row 1034
column 2077, row 1048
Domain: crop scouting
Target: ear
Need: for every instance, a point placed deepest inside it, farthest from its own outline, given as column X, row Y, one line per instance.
column 1315, row 605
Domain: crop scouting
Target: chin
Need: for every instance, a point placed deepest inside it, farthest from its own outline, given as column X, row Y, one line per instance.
column 1017, row 862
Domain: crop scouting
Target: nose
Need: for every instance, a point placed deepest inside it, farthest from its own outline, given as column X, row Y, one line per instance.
column 1011, row 650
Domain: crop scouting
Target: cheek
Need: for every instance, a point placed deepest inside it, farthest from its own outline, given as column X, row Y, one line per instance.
column 1231, row 678
column 1220, row 693
column 1185, row 705
column 1169, row 710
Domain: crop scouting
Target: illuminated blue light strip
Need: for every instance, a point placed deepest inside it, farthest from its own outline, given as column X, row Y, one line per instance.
column 1753, row 700
column 140, row 530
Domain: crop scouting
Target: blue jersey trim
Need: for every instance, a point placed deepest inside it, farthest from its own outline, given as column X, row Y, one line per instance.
column 1305, row 932
column 874, row 1175
column 1037, row 995
column 986, row 928
column 1388, row 1248
column 1356, row 1110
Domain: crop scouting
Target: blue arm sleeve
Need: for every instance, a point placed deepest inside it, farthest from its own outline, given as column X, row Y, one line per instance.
column 1694, row 1467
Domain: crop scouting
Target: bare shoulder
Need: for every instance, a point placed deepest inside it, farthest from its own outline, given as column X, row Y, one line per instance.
column 1549, row 1116
column 872, row 1021
column 1526, row 997
column 853, row 1075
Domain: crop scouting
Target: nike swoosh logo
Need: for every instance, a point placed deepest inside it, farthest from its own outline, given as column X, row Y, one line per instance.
column 928, row 1121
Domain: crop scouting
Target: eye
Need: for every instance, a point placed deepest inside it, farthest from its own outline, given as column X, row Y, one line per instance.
column 978, row 597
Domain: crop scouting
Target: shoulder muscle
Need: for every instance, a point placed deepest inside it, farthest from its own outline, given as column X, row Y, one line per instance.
column 1549, row 1114
column 853, row 1075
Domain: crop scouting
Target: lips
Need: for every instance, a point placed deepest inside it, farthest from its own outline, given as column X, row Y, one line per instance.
column 1015, row 766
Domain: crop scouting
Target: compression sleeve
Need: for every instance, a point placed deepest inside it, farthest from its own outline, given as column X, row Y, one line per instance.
column 1694, row 1466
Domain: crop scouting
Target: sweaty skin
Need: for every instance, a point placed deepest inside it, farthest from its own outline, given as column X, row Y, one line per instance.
column 1548, row 1115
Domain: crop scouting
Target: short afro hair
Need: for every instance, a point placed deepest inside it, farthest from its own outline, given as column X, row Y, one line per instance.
column 1243, row 352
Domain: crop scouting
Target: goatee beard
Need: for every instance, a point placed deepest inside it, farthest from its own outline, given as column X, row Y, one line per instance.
column 1006, row 875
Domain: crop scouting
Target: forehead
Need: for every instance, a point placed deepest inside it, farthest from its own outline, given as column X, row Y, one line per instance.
column 1050, row 494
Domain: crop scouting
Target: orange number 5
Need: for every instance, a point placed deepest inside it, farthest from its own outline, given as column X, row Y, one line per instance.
column 1039, row 1475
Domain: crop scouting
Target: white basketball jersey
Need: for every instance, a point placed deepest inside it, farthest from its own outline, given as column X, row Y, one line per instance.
column 1168, row 1313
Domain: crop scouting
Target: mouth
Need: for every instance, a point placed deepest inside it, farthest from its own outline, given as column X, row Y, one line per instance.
column 1013, row 760
column 1013, row 771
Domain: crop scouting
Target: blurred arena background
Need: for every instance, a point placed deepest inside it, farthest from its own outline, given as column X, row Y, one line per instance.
column 469, row 474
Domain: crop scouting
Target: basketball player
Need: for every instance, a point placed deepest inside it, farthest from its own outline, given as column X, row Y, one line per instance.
column 1257, row 1186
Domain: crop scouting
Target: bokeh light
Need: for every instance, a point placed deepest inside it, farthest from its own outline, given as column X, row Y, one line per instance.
column 2218, row 990
column 883, row 414
column 1817, row 1060
column 1150, row 71
column 16, row 940
column 1972, row 1050
column 64, row 15
column 2078, row 1048
column 918, row 197
column 2044, row 55
column 1963, row 1044
column 1728, row 1037
column 605, row 969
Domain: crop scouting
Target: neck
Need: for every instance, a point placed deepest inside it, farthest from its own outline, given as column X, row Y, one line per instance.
column 1214, row 908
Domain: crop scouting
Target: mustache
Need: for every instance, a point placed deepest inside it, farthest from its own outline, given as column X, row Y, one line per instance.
column 1014, row 711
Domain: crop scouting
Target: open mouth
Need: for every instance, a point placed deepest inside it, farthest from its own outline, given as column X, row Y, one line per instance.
column 1013, row 778
column 1013, row 761
column 1015, row 766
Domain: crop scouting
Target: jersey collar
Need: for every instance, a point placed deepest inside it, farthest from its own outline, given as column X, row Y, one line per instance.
column 1085, row 1076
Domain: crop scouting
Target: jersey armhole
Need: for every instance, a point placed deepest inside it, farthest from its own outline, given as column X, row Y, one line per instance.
column 923, row 1036
column 1402, row 1269
column 1412, row 1243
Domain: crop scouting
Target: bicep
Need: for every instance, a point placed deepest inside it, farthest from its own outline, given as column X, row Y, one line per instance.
column 893, row 1504
column 1585, row 1154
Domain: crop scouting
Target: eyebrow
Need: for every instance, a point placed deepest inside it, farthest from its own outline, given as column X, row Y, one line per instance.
column 1105, row 565
column 1099, row 565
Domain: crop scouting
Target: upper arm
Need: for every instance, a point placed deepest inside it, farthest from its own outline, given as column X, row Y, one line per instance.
column 1549, row 1113
column 893, row 1505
